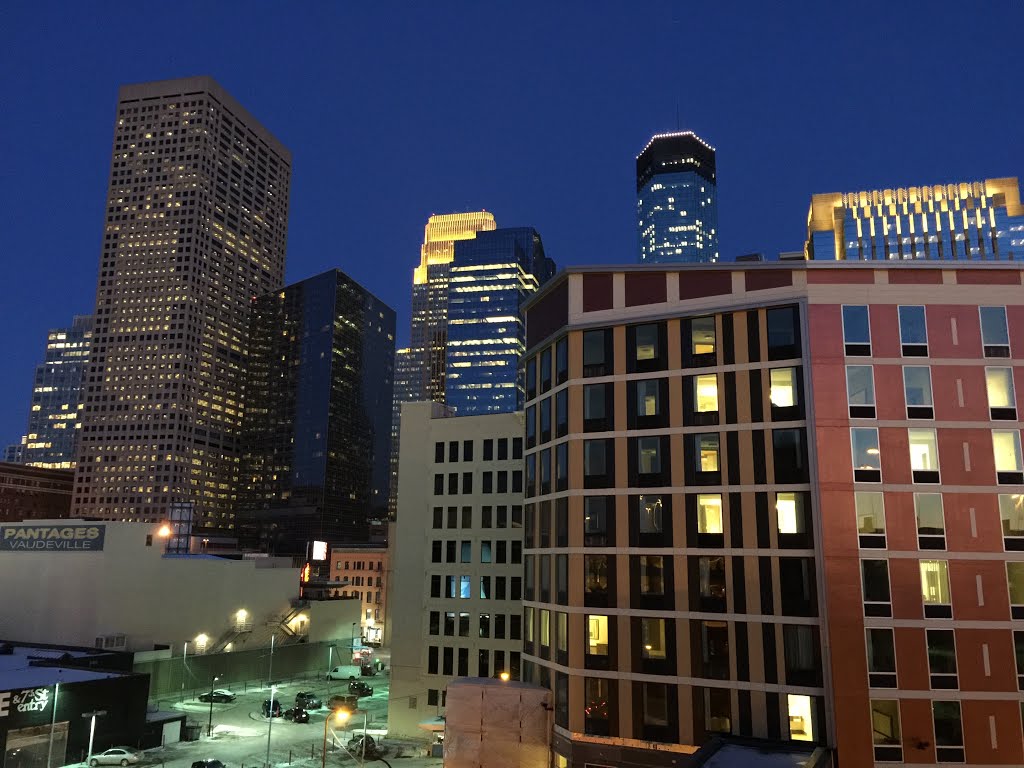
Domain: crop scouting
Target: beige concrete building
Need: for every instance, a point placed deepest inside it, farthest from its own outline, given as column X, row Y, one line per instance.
column 455, row 603
column 195, row 227
column 111, row 585
column 362, row 572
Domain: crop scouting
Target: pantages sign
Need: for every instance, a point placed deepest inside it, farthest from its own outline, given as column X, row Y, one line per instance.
column 52, row 538
column 28, row 700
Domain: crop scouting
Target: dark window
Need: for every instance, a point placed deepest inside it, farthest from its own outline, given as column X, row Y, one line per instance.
column 562, row 413
column 597, row 353
column 467, row 450
column 467, row 482
column 913, row 332
column 545, row 420
column 561, row 361
column 432, row 660
column 596, row 580
column 438, row 517
column 562, row 467
column 949, row 734
column 711, row 589
column 531, row 426
column 435, row 552
column 435, row 586
column 453, row 483
column 531, row 378
column 994, row 334
column 875, row 580
column 438, row 453
column 796, row 584
column 647, row 403
column 783, row 332
column 596, row 693
column 802, row 657
column 941, row 658
column 597, row 407
column 503, row 449
column 598, row 521
column 453, row 450
column 545, row 370
column 598, row 463
column 438, row 485
column 487, row 483
column 649, row 461
column 881, row 658
column 714, row 640
column 790, row 452
column 856, row 330
column 488, row 450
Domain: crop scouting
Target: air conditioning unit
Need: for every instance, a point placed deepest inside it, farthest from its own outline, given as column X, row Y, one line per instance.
column 112, row 642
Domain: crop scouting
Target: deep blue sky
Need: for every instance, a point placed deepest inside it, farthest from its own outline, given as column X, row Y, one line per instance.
column 532, row 110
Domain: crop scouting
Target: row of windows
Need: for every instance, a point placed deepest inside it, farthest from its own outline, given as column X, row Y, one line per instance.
column 936, row 596
column 455, row 662
column 924, row 455
column 452, row 451
column 490, row 482
column 649, row 461
column 708, row 399
column 461, row 587
column 917, row 392
column 913, row 328
column 487, row 552
column 647, row 347
column 500, row 517
column 457, row 624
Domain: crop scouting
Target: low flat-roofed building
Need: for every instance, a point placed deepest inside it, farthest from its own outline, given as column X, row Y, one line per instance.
column 33, row 493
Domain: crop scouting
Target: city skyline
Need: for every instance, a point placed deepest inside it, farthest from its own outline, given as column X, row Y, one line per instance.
column 466, row 152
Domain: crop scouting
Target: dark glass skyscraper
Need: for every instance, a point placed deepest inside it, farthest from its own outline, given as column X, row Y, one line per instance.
column 490, row 278
column 677, row 200
column 317, row 430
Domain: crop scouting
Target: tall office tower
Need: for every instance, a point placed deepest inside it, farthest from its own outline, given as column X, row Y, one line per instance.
column 491, row 277
column 981, row 220
column 196, row 222
column 53, row 420
column 316, row 437
column 456, row 598
column 777, row 500
column 429, row 332
column 677, row 200
column 407, row 378
column 15, row 452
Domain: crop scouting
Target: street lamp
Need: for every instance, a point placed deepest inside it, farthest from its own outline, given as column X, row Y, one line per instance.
column 92, row 728
column 340, row 716
column 505, row 677
column 270, row 723
column 209, row 725
column 330, row 666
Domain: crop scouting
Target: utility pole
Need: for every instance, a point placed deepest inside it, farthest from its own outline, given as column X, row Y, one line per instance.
column 53, row 725
column 270, row 723
column 92, row 729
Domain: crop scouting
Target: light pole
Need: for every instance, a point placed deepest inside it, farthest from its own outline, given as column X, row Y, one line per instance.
column 341, row 716
column 209, row 724
column 53, row 725
column 184, row 669
column 330, row 666
column 270, row 724
column 92, row 729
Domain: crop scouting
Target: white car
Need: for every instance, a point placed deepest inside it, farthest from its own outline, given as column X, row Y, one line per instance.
column 116, row 756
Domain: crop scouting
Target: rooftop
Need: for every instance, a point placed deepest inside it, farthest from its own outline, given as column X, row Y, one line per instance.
column 29, row 666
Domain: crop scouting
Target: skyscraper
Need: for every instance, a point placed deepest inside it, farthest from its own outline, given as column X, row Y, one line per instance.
column 491, row 276
column 981, row 220
column 407, row 378
column 316, row 437
column 677, row 200
column 53, row 420
column 195, row 228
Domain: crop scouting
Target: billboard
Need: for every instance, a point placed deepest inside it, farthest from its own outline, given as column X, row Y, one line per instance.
column 52, row 538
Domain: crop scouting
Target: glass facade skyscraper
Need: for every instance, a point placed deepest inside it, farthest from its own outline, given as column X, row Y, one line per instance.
column 316, row 436
column 491, row 276
column 677, row 200
column 981, row 220
column 53, row 421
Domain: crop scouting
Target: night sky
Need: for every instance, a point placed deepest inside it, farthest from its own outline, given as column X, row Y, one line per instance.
column 534, row 111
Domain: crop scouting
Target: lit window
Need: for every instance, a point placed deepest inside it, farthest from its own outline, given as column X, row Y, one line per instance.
column 597, row 635
column 646, row 342
column 647, row 397
column 865, row 449
column 706, row 393
column 1011, row 513
column 924, row 454
column 885, row 726
column 782, row 392
column 870, row 512
column 999, row 385
column 928, row 511
column 652, row 638
column 800, row 717
column 935, row 582
column 789, row 512
column 707, row 453
column 1006, row 445
column 650, row 512
column 860, row 391
column 709, row 513
column 702, row 336
column 648, row 451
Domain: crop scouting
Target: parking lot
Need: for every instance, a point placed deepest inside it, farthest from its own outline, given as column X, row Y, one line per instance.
column 239, row 737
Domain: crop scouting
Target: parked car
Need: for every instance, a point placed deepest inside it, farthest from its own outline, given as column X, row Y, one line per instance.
column 271, row 708
column 218, row 696
column 116, row 756
column 359, row 688
column 340, row 673
column 208, row 763
column 307, row 700
column 367, row 670
column 297, row 715
column 370, row 750
column 345, row 701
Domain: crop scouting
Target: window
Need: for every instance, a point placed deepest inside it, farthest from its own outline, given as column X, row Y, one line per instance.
column 867, row 466
column 595, row 710
column 1006, row 446
column 531, row 378
column 453, row 483
column 463, row 624
column 438, row 453
column 485, row 551
column 796, row 586
column 432, row 660
column 783, row 333
column 453, row 450
column 860, row 391
column 438, row 485
column 465, row 587
column 545, row 370
column 782, row 392
column 596, row 410
column 718, row 710
column 503, row 449
column 924, row 455
column 709, row 513
column 649, row 514
column 485, row 586
column 438, row 514
column 705, row 392
column 545, row 627
column 885, row 729
column 652, row 575
column 466, row 552
column 870, row 508
column 562, row 632
column 597, row 635
column 875, row 581
column 596, row 532
column 1015, row 586
column 489, row 450
column 435, row 623
column 647, row 346
column 917, row 390
column 941, row 658
column 711, row 583
column 1002, row 403
column 655, row 704
column 949, row 733
column 913, row 332
column 931, row 527
column 649, row 460
column 435, row 552
column 702, row 338
column 714, row 637
column 995, row 336
column 1018, row 653
column 562, row 413
column 435, row 586
column 561, row 469
column 561, row 361
column 790, row 516
column 801, row 717
column 935, row 589
column 856, row 330
column 595, row 579
column 707, row 452
column 596, row 353
column 790, row 456
column 545, row 420
column 467, row 517
column 597, row 463
column 647, row 400
column 1011, row 515
column 652, row 639
column 881, row 658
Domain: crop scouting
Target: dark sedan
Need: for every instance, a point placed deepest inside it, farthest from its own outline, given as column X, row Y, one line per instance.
column 359, row 688
column 219, row 696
